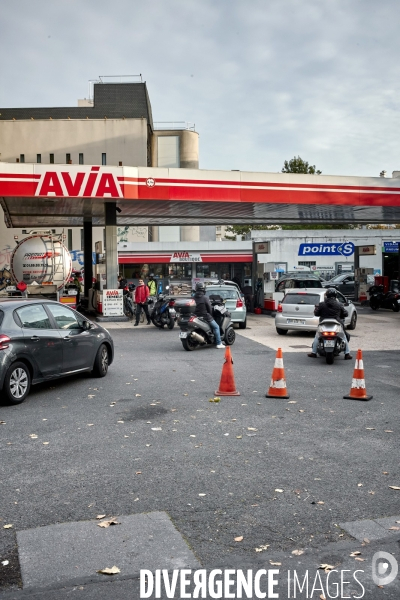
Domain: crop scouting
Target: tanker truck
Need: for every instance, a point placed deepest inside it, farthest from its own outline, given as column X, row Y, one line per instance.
column 42, row 263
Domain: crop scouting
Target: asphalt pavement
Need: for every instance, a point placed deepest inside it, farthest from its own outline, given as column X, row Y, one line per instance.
column 248, row 482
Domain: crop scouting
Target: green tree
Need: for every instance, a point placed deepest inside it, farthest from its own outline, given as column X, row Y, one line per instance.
column 298, row 165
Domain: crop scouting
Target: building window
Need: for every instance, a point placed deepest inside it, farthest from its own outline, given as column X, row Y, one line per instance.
column 22, row 158
column 52, row 159
column 38, row 158
column 67, row 158
column 81, row 158
column 307, row 263
column 168, row 151
column 104, row 158
column 69, row 239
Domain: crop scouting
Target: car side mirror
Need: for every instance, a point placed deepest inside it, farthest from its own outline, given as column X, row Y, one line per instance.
column 86, row 325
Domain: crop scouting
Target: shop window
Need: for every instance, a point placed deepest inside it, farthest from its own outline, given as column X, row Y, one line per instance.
column 67, row 158
column 81, row 158
column 22, row 158
column 38, row 158
column 104, row 158
column 51, row 159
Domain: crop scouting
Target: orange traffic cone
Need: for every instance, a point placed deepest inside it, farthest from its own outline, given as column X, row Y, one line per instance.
column 227, row 386
column 358, row 390
column 277, row 389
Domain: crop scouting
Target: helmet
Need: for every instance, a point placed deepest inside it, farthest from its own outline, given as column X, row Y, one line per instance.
column 200, row 287
column 330, row 293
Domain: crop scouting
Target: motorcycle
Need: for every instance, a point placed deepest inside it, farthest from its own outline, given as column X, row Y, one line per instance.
column 196, row 331
column 378, row 298
column 164, row 312
column 330, row 340
column 129, row 309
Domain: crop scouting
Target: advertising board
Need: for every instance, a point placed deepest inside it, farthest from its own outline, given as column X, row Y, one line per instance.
column 113, row 303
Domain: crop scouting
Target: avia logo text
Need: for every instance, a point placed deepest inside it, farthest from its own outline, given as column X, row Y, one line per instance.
column 92, row 184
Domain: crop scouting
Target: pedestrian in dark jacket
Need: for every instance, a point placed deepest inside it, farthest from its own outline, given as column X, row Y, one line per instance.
column 330, row 308
column 204, row 309
column 141, row 295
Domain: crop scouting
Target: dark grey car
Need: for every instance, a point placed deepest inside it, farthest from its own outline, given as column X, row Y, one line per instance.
column 344, row 283
column 42, row 340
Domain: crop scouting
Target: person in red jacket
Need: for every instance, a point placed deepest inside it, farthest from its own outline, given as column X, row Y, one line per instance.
column 141, row 295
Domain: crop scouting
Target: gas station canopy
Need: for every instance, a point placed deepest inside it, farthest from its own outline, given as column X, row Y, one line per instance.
column 43, row 195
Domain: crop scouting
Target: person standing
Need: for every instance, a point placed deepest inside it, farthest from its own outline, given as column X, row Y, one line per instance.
column 141, row 295
column 152, row 285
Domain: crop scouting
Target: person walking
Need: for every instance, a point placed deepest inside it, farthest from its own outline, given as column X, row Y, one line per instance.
column 204, row 309
column 141, row 295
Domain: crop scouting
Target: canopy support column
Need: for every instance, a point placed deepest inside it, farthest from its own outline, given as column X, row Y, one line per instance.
column 110, row 209
column 87, row 254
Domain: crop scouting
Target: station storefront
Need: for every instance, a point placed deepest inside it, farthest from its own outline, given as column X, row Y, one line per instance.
column 186, row 267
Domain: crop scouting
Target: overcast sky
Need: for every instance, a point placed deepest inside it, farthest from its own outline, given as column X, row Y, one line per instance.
column 263, row 80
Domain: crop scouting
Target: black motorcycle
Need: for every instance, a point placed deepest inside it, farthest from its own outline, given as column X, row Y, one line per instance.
column 196, row 331
column 129, row 309
column 378, row 298
column 164, row 312
column 330, row 339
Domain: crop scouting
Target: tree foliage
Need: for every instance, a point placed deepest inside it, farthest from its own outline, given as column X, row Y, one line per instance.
column 298, row 165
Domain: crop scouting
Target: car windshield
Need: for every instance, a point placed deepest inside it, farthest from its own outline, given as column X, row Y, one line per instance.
column 338, row 278
column 225, row 294
column 306, row 283
column 301, row 299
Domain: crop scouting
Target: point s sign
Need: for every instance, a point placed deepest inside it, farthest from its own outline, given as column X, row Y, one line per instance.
column 330, row 249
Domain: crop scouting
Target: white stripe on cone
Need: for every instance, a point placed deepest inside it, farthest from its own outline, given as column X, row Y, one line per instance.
column 279, row 363
column 359, row 364
column 281, row 383
column 358, row 383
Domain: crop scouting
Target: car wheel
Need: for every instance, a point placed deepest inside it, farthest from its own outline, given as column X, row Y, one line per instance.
column 281, row 331
column 101, row 362
column 230, row 336
column 243, row 325
column 353, row 321
column 17, row 383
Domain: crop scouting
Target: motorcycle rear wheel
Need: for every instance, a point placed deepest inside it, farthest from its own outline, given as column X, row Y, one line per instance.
column 171, row 324
column 395, row 306
column 329, row 358
column 189, row 344
column 373, row 305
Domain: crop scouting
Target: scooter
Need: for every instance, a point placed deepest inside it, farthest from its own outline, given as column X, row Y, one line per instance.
column 196, row 331
column 330, row 340
column 378, row 299
column 164, row 312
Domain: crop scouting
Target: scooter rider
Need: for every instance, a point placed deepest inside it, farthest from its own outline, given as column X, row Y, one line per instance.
column 204, row 309
column 330, row 309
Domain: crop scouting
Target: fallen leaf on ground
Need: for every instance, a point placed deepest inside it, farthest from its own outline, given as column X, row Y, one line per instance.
column 2, row 423
column 252, row 429
column 297, row 552
column 109, row 522
column 322, row 597
column 279, row 490
column 355, row 553
column 262, row 548
column 275, row 564
column 192, row 435
column 90, row 424
column 370, row 428
column 120, row 421
column 302, row 411
column 326, row 567
column 46, row 443
column 320, row 502
column 156, row 428
column 139, row 472
column 7, row 526
column 360, row 559
column 394, row 528
column 239, row 437
column 33, row 436
column 371, row 492
column 100, row 516
column 113, row 571
column 385, row 472
column 366, row 541
column 394, row 487
column 360, row 484
column 388, row 431
column 238, row 539
column 4, row 563
column 92, row 396
column 292, row 402
column 138, row 395
column 202, row 494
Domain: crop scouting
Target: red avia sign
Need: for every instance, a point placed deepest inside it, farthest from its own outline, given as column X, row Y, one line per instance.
column 92, row 184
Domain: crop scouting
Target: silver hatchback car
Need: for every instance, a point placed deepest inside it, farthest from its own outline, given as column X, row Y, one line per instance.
column 233, row 299
column 296, row 310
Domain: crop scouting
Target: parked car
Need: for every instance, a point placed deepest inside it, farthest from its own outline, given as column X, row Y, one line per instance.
column 296, row 310
column 43, row 340
column 304, row 280
column 234, row 301
column 344, row 283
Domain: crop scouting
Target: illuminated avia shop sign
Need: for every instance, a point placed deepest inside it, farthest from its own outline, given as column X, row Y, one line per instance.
column 330, row 249
column 185, row 257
